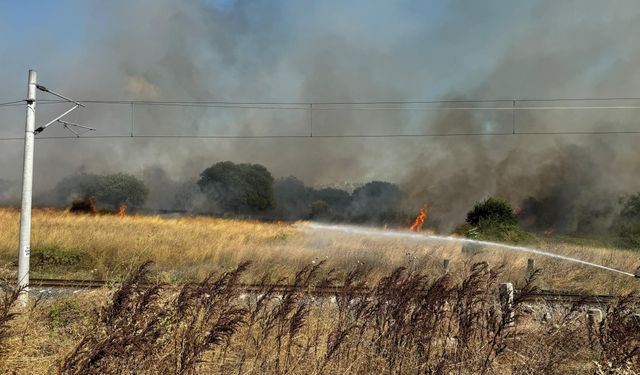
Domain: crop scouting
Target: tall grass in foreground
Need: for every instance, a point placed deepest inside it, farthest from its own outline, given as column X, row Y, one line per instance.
column 407, row 323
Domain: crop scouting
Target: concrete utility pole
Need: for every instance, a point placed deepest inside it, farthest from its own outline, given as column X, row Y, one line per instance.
column 24, row 249
column 30, row 131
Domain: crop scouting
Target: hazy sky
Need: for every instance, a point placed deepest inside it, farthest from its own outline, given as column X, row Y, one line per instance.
column 314, row 51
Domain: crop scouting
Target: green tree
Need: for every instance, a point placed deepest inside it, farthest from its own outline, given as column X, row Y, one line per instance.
column 111, row 189
column 121, row 188
column 238, row 188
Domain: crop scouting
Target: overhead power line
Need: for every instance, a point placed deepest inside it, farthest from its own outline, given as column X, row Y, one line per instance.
column 13, row 103
column 443, row 105
column 304, row 104
column 513, row 105
column 332, row 136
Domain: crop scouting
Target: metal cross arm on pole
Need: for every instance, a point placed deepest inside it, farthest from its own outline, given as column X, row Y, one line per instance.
column 44, row 89
column 40, row 129
column 58, row 118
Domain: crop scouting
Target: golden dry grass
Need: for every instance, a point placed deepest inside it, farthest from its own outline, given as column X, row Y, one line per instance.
column 38, row 343
column 192, row 247
column 406, row 325
column 183, row 247
column 40, row 337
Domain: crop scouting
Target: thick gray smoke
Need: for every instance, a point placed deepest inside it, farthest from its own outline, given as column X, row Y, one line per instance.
column 336, row 51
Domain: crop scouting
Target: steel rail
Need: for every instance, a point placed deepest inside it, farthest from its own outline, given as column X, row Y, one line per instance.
column 548, row 296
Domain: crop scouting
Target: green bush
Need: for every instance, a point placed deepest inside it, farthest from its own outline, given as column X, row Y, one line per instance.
column 495, row 232
column 629, row 237
column 57, row 257
column 319, row 210
column 62, row 314
column 493, row 220
column 503, row 232
column 491, row 210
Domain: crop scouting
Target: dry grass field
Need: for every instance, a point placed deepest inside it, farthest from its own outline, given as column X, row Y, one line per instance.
column 408, row 323
column 415, row 319
column 74, row 246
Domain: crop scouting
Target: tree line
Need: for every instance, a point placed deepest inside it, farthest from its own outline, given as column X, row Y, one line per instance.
column 245, row 190
column 250, row 190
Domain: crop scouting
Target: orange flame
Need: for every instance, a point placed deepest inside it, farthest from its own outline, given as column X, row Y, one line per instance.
column 122, row 210
column 417, row 224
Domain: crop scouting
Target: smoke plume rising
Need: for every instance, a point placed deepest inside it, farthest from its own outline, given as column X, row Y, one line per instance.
column 336, row 51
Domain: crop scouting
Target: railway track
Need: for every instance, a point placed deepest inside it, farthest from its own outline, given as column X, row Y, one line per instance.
column 546, row 296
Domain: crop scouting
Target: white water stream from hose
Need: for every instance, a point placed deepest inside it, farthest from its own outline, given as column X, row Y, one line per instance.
column 375, row 232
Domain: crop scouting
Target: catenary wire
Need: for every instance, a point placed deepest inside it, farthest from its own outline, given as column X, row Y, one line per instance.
column 320, row 136
column 313, row 106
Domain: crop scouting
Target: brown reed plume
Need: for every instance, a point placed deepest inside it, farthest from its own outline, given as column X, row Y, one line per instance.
column 407, row 323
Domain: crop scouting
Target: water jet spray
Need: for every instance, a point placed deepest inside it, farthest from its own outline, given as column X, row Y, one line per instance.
column 368, row 231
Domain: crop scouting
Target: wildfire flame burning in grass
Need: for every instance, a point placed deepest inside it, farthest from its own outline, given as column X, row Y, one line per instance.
column 419, row 222
column 122, row 210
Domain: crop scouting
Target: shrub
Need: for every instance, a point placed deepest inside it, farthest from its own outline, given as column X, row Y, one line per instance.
column 62, row 314
column 47, row 258
column 8, row 301
column 319, row 209
column 493, row 220
column 376, row 201
column 84, row 205
column 503, row 232
column 629, row 237
column 627, row 225
column 492, row 210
